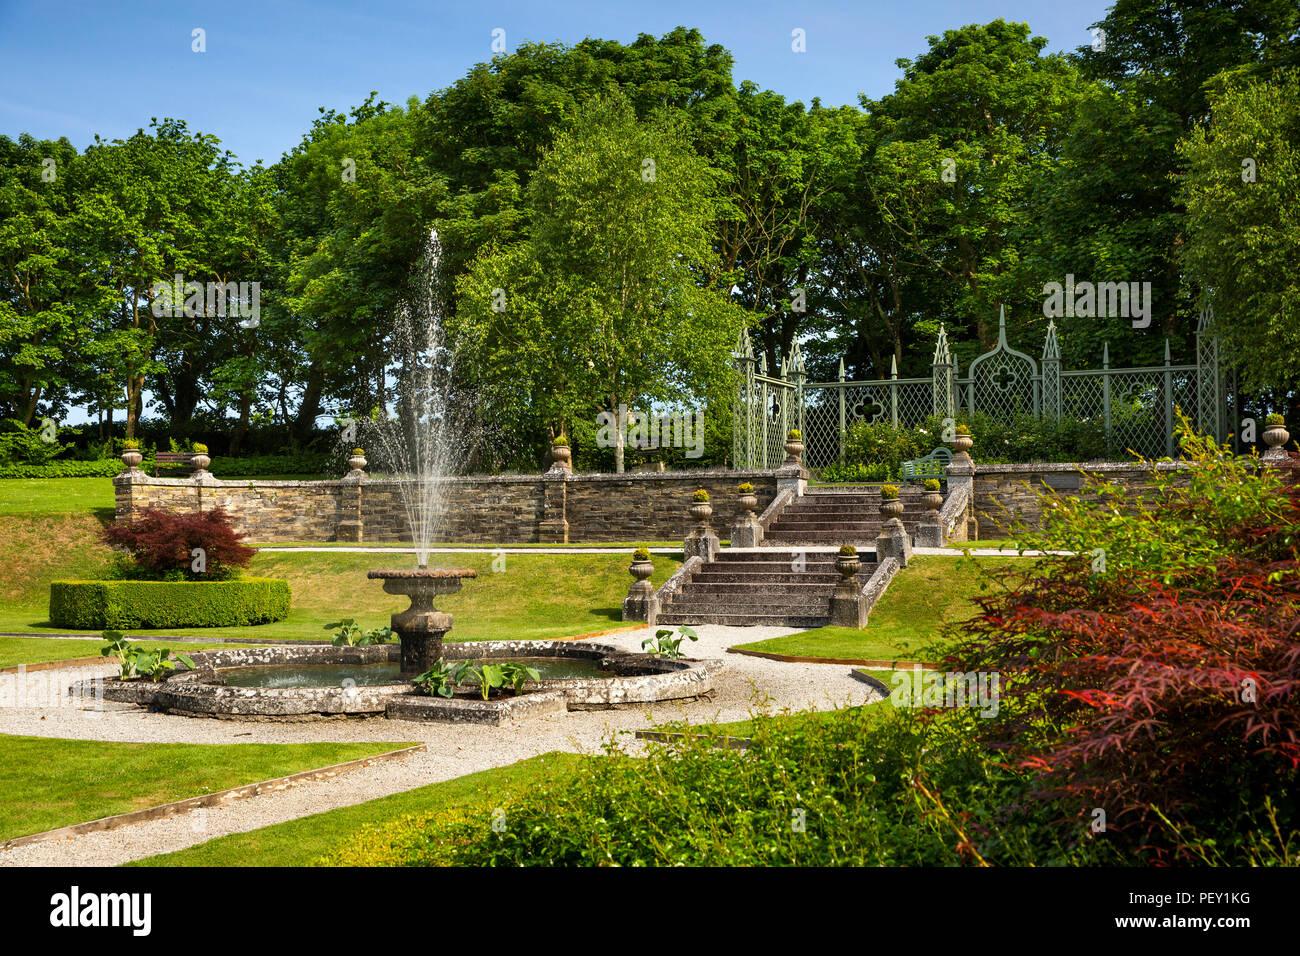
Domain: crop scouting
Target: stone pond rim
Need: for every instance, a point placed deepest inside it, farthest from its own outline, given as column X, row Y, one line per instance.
column 421, row 627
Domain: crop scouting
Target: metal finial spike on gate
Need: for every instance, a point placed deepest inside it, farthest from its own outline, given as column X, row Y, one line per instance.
column 841, row 369
column 1051, row 349
column 893, row 366
column 1105, row 355
column 1166, row 350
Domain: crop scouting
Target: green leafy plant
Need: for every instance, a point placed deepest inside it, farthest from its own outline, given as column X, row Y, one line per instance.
column 641, row 554
column 794, row 435
column 199, row 448
column 351, row 635
column 963, row 430
column 515, row 674
column 700, row 496
column 1275, row 419
column 931, row 484
column 118, row 646
column 889, row 492
column 358, row 452
column 848, row 550
column 745, row 489
column 874, row 471
column 438, row 680
column 665, row 644
column 137, row 662
column 130, row 444
column 560, row 441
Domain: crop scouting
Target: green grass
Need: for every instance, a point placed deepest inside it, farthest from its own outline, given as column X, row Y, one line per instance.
column 37, row 650
column 907, row 622
column 539, row 596
column 20, row 496
column 1008, row 544
column 54, row 533
column 47, row 782
column 300, row 842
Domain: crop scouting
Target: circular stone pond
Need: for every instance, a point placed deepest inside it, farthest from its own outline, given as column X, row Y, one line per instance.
column 308, row 681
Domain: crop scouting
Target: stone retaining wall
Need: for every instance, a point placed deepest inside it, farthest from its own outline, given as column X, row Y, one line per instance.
column 1007, row 494
column 555, row 507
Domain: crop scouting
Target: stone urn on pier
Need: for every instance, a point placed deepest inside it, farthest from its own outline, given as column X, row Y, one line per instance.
column 421, row 627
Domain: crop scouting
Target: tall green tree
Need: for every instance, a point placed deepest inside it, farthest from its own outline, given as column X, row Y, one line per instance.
column 606, row 302
column 1241, row 189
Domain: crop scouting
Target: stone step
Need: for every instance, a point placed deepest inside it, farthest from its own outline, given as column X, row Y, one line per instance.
column 731, row 556
column 716, row 604
column 823, row 538
column 757, row 578
column 775, row 590
column 744, row 620
column 808, row 524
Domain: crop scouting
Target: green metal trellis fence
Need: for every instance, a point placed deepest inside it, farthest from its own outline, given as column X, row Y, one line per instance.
column 1135, row 405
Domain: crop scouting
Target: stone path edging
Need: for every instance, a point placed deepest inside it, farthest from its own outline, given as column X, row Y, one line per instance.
column 217, row 799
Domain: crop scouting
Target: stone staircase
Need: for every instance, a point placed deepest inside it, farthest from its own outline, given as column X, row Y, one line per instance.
column 760, row 586
column 833, row 518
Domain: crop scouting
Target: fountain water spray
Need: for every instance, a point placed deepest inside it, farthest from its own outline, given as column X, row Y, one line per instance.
column 428, row 430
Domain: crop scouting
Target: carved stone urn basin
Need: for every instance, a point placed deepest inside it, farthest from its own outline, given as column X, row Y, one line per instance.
column 421, row 626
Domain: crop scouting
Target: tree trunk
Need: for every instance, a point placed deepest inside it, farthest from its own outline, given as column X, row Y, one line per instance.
column 620, row 437
column 309, row 407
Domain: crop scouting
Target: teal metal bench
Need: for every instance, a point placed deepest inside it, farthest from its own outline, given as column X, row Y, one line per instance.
column 933, row 465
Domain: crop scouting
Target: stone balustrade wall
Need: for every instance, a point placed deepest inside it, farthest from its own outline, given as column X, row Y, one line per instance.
column 513, row 509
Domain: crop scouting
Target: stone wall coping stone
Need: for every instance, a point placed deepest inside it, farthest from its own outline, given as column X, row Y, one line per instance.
column 1035, row 467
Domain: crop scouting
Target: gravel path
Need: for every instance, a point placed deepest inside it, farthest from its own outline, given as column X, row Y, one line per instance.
column 452, row 751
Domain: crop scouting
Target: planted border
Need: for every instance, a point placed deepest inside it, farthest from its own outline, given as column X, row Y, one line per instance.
column 167, row 604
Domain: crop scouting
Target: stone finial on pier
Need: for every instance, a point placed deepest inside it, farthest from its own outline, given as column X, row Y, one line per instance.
column 639, row 605
column 746, row 532
column 701, row 541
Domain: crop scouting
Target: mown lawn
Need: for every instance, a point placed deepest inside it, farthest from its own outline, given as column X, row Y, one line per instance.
column 54, row 534
column 49, row 782
column 906, row 624
column 50, row 495
column 301, row 842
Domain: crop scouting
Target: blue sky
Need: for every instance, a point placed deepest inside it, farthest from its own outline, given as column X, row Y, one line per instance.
column 76, row 69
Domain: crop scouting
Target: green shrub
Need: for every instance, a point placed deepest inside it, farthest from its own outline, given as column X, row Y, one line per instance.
column 848, row 550
column 931, row 484
column 875, row 471
column 20, row 445
column 1275, row 419
column 98, row 605
column 794, row 435
column 106, row 468
column 130, row 444
column 885, row 444
column 889, row 492
column 701, row 496
column 199, row 448
column 745, row 489
column 641, row 554
column 864, row 788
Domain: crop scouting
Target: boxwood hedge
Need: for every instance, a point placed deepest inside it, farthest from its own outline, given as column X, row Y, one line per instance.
column 122, row 604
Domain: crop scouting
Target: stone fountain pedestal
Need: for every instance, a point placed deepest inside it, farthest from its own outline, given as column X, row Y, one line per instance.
column 421, row 626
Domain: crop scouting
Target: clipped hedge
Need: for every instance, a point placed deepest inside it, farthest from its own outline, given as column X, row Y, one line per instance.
column 164, row 604
column 103, row 468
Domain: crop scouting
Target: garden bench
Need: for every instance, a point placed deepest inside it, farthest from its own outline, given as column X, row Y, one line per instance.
column 171, row 459
column 933, row 465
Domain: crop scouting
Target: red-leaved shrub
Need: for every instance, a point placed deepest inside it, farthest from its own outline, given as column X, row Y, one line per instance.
column 197, row 545
column 1170, row 701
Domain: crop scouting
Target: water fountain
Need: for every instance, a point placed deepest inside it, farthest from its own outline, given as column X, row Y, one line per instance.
column 416, row 446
